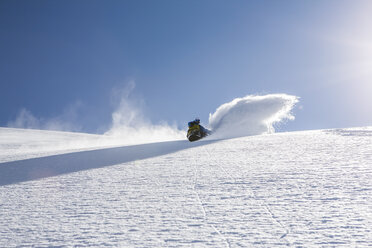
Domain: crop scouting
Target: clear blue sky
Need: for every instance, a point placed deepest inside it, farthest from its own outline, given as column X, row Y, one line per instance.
column 186, row 57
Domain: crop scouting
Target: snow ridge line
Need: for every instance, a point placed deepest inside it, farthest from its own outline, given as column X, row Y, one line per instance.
column 203, row 208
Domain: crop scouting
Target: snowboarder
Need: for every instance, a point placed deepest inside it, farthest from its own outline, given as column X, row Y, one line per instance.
column 196, row 131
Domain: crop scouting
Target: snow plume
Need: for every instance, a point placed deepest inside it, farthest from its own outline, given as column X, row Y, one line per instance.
column 130, row 126
column 66, row 121
column 251, row 115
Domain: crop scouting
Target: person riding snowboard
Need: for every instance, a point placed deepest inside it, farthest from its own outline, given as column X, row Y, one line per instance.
column 196, row 131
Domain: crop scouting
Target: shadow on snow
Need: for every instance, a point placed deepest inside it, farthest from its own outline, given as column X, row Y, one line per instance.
column 37, row 168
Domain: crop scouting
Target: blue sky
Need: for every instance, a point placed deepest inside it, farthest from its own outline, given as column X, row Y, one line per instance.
column 65, row 59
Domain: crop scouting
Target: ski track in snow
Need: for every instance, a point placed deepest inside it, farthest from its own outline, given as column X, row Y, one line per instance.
column 300, row 189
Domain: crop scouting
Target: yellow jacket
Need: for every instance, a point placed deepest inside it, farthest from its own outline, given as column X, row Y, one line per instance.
column 193, row 128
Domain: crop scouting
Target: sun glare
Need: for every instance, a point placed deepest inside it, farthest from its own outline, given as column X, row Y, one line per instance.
column 352, row 36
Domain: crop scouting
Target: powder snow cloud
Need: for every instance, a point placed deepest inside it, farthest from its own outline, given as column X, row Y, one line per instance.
column 130, row 125
column 251, row 115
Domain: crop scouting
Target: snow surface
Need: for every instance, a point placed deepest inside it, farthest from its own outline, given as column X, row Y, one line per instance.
column 309, row 189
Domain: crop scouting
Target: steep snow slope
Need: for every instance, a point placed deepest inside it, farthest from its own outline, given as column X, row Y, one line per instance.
column 306, row 189
column 17, row 144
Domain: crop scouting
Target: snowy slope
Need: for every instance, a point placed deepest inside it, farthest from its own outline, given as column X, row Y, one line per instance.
column 17, row 144
column 307, row 189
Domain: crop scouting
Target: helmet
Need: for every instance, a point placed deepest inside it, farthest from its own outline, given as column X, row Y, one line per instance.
column 197, row 121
